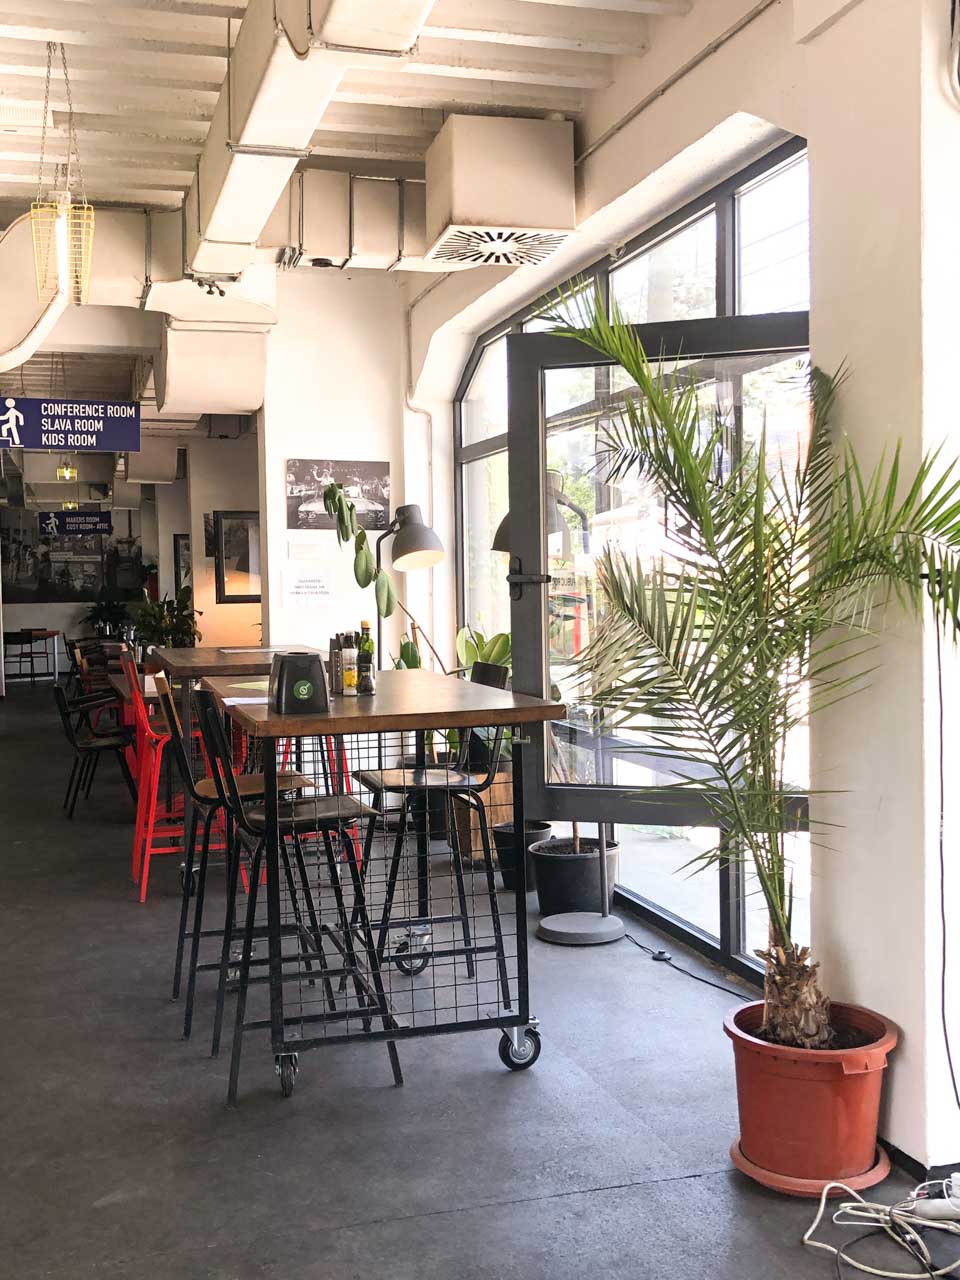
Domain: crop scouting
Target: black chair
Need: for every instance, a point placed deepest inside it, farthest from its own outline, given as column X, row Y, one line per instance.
column 89, row 744
column 18, row 648
column 323, row 815
column 206, row 803
column 465, row 778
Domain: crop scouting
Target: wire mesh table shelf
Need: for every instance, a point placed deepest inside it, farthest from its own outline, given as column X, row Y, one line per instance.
column 375, row 911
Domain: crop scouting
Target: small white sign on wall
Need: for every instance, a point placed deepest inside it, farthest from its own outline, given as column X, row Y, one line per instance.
column 306, row 584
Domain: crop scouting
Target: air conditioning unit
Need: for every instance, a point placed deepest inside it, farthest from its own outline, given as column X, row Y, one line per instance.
column 500, row 191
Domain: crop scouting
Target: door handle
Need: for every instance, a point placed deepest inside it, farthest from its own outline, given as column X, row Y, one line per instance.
column 518, row 579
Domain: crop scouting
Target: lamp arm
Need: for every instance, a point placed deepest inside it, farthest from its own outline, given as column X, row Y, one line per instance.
column 415, row 623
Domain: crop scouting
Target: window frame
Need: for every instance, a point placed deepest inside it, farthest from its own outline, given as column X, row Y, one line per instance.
column 722, row 199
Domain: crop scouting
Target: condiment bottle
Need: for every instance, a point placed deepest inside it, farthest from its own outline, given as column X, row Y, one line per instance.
column 349, row 655
column 366, row 677
column 336, row 665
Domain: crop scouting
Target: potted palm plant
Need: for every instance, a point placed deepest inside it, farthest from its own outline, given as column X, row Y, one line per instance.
column 764, row 610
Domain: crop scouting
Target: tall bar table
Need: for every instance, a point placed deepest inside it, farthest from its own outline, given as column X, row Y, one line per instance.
column 477, row 960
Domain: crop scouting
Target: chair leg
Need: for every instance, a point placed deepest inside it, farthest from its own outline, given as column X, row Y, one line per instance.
column 185, row 900
column 149, row 824
column 391, row 883
column 461, row 887
column 127, row 775
column 197, row 924
column 78, row 783
column 91, row 775
column 244, row 975
column 316, row 931
column 494, row 906
column 73, row 774
column 234, row 855
column 344, row 923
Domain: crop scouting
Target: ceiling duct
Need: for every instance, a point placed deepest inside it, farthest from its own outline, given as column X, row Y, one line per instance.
column 287, row 63
column 206, row 369
column 477, row 213
column 155, row 463
column 92, row 468
column 52, row 496
column 125, row 497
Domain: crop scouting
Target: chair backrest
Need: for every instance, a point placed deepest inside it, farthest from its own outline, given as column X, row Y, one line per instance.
column 491, row 676
column 168, row 712
column 63, row 706
column 129, row 668
column 218, row 755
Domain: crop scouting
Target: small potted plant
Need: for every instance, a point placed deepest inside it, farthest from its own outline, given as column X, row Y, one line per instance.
column 759, row 610
column 107, row 614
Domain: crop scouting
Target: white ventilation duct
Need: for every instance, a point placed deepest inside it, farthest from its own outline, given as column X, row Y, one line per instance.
column 334, row 219
column 288, row 61
column 478, row 213
column 125, row 496
column 155, row 463
column 24, row 321
column 210, row 369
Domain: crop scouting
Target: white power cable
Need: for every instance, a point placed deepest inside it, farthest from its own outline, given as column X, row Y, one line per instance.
column 902, row 1222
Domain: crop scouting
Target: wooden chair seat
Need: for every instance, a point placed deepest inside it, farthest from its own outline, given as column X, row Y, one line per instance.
column 312, row 814
column 396, row 781
column 251, row 785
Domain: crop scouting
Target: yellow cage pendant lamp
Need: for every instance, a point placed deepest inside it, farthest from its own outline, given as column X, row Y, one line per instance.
column 63, row 225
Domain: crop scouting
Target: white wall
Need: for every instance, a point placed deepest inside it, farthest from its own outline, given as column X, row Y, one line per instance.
column 221, row 476
column 334, row 390
column 173, row 516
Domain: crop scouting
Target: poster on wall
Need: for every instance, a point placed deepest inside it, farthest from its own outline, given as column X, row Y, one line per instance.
column 209, row 539
column 366, row 484
column 182, row 569
column 40, row 567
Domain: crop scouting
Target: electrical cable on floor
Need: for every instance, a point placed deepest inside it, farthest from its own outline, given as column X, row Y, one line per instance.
column 933, row 1206
column 665, row 959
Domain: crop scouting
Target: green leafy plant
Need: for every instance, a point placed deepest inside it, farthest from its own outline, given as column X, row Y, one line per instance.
column 473, row 647
column 171, row 623
column 339, row 507
column 764, row 605
column 107, row 614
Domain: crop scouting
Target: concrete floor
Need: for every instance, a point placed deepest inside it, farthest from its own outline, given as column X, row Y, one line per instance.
column 118, row 1156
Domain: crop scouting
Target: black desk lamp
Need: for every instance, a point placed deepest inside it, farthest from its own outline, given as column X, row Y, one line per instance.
column 415, row 546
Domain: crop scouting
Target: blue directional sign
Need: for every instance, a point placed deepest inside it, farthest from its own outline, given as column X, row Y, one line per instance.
column 86, row 426
column 66, row 524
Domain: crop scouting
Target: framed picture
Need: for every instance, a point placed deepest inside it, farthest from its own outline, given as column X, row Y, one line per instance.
column 182, row 568
column 366, row 484
column 236, row 537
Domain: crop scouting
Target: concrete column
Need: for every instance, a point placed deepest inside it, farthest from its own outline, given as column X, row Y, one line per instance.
column 884, row 136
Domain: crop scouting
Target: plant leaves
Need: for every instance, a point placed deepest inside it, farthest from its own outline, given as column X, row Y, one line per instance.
column 497, row 650
column 386, row 596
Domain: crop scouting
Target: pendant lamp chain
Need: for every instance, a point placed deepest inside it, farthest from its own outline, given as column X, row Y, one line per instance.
column 62, row 226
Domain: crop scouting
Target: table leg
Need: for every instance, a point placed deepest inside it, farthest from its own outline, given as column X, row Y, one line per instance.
column 519, row 822
column 56, row 660
column 420, row 810
column 272, row 857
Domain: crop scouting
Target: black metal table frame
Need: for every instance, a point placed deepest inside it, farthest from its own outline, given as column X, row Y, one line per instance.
column 284, row 1048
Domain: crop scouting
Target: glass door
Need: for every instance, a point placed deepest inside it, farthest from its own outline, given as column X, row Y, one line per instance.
column 563, row 512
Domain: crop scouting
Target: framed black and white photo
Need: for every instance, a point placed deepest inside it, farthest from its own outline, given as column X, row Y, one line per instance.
column 366, row 484
column 237, row 556
column 182, row 569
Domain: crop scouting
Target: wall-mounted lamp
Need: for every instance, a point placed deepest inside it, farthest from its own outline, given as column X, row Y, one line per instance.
column 554, row 499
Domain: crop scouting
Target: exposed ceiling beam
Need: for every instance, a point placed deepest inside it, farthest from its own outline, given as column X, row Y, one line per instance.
column 368, row 146
column 151, row 128
column 101, row 149
column 541, row 26
column 498, row 62
column 101, row 97
column 660, row 7
column 29, row 58
column 79, row 25
column 443, row 93
column 16, row 187
column 399, row 122
column 233, row 9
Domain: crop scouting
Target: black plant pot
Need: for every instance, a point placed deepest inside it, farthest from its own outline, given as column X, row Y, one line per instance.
column 503, row 838
column 568, row 881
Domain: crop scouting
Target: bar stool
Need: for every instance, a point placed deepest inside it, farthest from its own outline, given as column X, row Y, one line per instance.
column 206, row 806
column 89, row 744
column 454, row 780
column 325, row 815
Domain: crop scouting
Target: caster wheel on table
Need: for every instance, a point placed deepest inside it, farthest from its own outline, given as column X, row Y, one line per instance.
column 409, row 963
column 287, row 1068
column 194, row 875
column 526, row 1056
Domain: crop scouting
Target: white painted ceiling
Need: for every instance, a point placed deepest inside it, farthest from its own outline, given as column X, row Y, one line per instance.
column 146, row 75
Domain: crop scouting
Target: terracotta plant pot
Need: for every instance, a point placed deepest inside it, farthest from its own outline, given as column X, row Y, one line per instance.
column 809, row 1116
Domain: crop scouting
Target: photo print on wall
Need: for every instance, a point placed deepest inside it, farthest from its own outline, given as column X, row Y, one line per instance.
column 366, row 484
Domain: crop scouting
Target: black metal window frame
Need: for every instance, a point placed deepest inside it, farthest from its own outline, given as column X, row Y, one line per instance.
column 727, row 333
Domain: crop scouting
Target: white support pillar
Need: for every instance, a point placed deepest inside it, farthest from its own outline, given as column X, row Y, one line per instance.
column 885, row 194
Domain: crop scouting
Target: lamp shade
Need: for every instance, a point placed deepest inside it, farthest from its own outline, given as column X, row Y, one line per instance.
column 554, row 519
column 415, row 545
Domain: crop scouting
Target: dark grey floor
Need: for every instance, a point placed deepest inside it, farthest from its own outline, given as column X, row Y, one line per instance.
column 118, row 1156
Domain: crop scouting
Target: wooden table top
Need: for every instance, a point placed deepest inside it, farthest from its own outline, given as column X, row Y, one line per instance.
column 39, row 633
column 194, row 663
column 119, row 683
column 404, row 700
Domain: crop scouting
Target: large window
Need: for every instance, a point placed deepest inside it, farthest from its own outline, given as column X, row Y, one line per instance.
column 740, row 250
